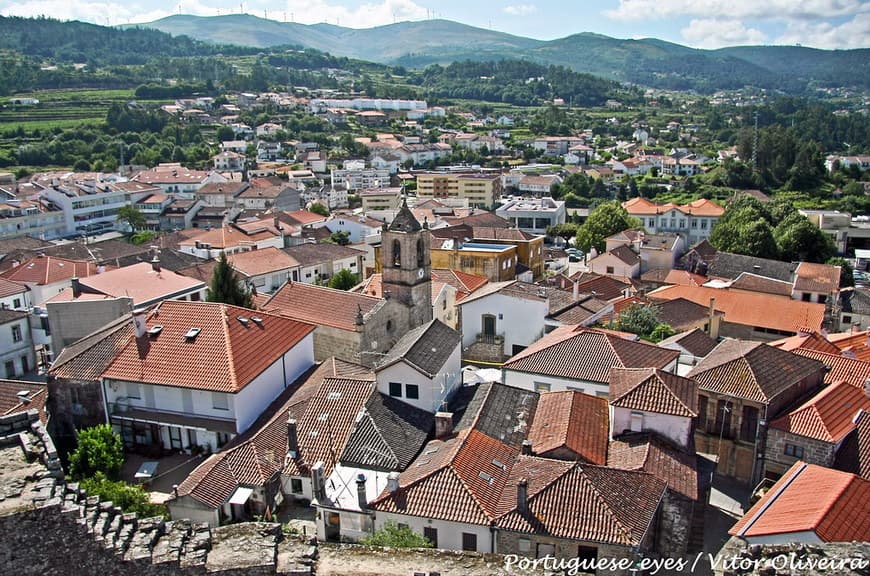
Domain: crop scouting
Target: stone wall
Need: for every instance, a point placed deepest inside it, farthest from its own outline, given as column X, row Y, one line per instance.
column 815, row 451
column 73, row 405
column 675, row 525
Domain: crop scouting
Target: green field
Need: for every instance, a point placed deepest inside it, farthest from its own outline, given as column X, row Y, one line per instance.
column 61, row 108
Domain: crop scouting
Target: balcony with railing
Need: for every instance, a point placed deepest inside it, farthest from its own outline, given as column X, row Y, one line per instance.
column 486, row 348
column 123, row 410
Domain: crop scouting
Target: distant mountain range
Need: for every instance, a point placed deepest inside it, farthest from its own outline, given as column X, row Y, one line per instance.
column 648, row 62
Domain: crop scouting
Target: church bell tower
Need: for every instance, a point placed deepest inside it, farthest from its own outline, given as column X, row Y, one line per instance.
column 407, row 266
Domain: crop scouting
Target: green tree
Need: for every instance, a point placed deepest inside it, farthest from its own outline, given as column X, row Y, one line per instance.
column 99, row 450
column 798, row 239
column 127, row 497
column 340, row 237
column 661, row 332
column 744, row 231
column 131, row 217
column 319, row 208
column 846, row 277
column 606, row 219
column 394, row 536
column 226, row 287
column 639, row 319
column 565, row 231
column 344, row 279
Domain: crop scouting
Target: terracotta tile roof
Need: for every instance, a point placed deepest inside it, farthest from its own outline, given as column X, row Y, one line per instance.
column 591, row 504
column 684, row 278
column 604, row 287
column 653, row 390
column 696, row 342
column 139, row 282
column 853, row 344
column 704, row 207
column 828, row 416
column 807, row 340
column 582, row 354
column 224, row 357
column 255, row 456
column 326, row 425
column 812, row 277
column 752, row 370
column 425, row 348
column 226, row 237
column 681, row 314
column 9, row 288
column 262, row 261
column 304, row 217
column 44, row 270
column 499, row 233
column 87, row 359
column 373, row 286
column 649, row 453
column 310, row 254
column 755, row 283
column 11, row 402
column 321, row 305
column 842, row 368
column 751, row 308
column 810, row 498
column 701, row 207
column 572, row 420
column 232, row 189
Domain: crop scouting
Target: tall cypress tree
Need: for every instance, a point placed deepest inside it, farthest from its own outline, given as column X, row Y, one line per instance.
column 226, row 287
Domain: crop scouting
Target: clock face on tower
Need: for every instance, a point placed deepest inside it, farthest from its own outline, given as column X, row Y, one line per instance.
column 420, row 273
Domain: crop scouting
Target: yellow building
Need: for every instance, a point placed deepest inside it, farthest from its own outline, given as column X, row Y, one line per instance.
column 481, row 190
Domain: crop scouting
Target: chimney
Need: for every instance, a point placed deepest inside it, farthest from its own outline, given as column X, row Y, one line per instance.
column 155, row 264
column 526, row 448
column 361, row 491
column 393, row 481
column 318, row 487
column 139, row 322
column 292, row 439
column 712, row 317
column 575, row 292
column 522, row 495
column 76, row 287
column 443, row 424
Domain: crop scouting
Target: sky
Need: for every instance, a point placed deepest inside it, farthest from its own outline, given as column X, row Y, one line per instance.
column 699, row 23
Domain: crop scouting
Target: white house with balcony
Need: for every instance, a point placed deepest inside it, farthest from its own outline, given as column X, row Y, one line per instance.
column 533, row 215
column 194, row 375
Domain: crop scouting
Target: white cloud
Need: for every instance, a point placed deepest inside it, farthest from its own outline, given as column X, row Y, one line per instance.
column 520, row 9
column 737, row 9
column 854, row 33
column 99, row 12
column 363, row 16
column 709, row 33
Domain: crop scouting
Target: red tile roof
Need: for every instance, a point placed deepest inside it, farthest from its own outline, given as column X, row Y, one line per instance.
column 648, row 453
column 304, row 217
column 44, row 270
column 751, row 308
column 854, row 344
column 12, row 403
column 812, row 277
column 254, row 457
column 653, row 390
column 262, row 261
column 810, row 498
column 227, row 237
column 810, row 340
column 572, row 420
column 464, row 283
column 592, row 504
column 583, row 354
column 752, row 370
column 224, row 357
column 855, row 372
column 828, row 416
column 9, row 288
column 322, row 306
